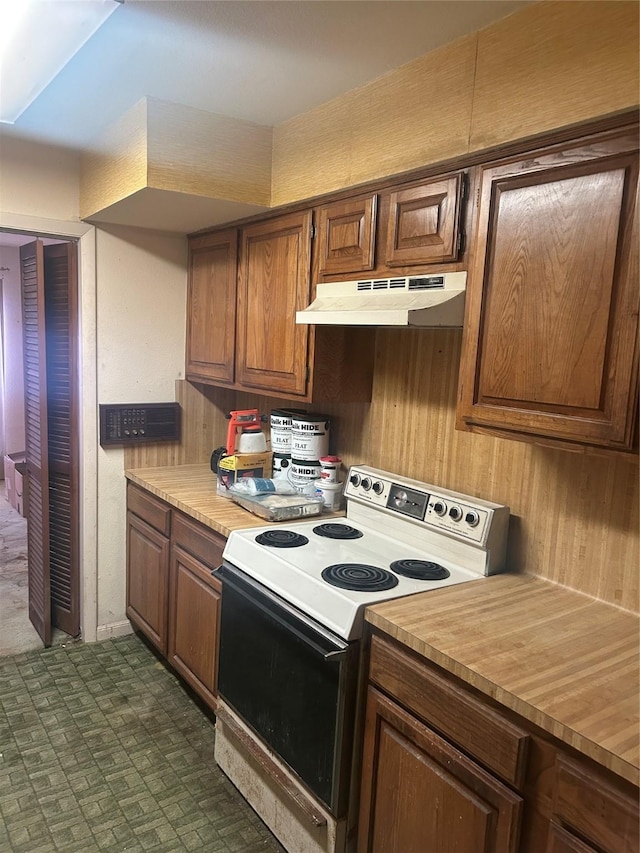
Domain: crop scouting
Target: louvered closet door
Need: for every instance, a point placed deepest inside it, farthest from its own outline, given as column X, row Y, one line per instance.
column 35, row 392
column 60, row 289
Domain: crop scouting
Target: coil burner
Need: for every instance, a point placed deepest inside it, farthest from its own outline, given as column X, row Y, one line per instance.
column 359, row 577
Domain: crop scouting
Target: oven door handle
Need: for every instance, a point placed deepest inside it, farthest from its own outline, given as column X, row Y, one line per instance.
column 338, row 655
column 328, row 656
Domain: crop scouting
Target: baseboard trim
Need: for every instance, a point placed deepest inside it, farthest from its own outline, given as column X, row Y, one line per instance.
column 114, row 629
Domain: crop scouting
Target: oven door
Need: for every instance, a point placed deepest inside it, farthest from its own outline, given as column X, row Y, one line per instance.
column 292, row 681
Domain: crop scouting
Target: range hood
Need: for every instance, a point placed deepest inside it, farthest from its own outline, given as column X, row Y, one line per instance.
column 416, row 300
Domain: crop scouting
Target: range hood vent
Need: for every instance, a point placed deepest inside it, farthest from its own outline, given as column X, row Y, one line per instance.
column 427, row 301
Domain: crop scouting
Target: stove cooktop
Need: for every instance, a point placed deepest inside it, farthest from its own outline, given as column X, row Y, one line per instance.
column 393, row 527
column 295, row 574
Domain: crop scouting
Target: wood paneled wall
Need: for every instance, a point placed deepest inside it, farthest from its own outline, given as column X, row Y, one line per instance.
column 574, row 517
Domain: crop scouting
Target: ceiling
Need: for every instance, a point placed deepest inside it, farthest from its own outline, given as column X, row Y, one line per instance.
column 258, row 60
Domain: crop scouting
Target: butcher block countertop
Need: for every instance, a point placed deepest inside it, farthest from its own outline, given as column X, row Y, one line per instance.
column 192, row 489
column 560, row 659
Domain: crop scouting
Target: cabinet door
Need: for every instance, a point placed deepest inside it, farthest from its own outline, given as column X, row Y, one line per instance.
column 274, row 283
column 147, row 580
column 345, row 239
column 549, row 345
column 423, row 223
column 211, row 307
column 194, row 623
column 419, row 793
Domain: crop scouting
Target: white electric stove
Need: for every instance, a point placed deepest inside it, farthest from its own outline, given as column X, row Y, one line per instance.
column 291, row 673
column 399, row 537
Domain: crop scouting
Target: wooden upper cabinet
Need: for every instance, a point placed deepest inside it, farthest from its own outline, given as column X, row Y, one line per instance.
column 549, row 345
column 345, row 236
column 423, row 223
column 211, row 307
column 419, row 224
column 274, row 281
column 241, row 330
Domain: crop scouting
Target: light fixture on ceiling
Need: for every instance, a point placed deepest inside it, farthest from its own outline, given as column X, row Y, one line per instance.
column 37, row 39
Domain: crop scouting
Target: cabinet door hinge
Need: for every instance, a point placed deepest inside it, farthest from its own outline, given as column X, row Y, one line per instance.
column 313, row 231
column 462, row 243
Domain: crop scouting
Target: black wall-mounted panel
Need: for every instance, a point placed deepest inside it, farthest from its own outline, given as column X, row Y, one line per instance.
column 135, row 423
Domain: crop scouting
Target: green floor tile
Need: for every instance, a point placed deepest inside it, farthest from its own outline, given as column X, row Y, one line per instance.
column 103, row 751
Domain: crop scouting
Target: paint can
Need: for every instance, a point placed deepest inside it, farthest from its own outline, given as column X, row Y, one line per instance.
column 331, row 494
column 330, row 465
column 309, row 436
column 303, row 473
column 281, row 465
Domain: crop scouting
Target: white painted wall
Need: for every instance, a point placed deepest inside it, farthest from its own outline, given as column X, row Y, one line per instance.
column 39, row 180
column 132, row 326
column 13, row 438
column 141, row 305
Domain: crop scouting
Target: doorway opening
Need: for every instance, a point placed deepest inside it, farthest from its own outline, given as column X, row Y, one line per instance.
column 40, row 421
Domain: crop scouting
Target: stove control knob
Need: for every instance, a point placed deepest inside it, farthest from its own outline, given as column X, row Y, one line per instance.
column 378, row 487
column 472, row 518
column 439, row 507
column 366, row 483
column 354, row 479
column 455, row 513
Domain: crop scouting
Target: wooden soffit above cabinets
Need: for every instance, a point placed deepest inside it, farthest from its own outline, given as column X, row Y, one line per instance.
column 548, row 66
column 173, row 168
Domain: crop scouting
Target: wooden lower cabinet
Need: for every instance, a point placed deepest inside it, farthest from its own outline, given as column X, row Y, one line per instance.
column 194, row 606
column 147, row 566
column 421, row 793
column 447, row 769
column 172, row 597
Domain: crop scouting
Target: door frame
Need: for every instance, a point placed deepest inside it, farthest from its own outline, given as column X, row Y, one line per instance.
column 85, row 236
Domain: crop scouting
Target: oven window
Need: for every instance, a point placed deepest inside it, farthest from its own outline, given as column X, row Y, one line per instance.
column 281, row 685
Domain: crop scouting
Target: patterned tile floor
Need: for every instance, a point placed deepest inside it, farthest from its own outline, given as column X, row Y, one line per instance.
column 101, row 749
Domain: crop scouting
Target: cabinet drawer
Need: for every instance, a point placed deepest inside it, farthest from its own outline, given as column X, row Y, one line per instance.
column 604, row 815
column 204, row 544
column 150, row 509
column 561, row 841
column 477, row 729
